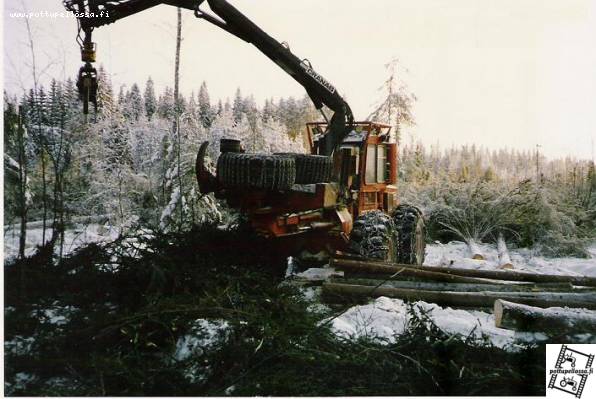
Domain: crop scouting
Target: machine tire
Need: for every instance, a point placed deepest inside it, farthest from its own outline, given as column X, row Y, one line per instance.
column 268, row 172
column 374, row 236
column 312, row 169
column 411, row 232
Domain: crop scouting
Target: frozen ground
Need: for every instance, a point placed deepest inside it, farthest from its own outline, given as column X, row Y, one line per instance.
column 523, row 259
column 203, row 336
column 74, row 238
column 385, row 318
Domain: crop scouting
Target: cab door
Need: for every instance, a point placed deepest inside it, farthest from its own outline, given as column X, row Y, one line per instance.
column 378, row 174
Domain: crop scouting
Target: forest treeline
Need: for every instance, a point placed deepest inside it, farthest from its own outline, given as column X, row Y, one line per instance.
column 134, row 161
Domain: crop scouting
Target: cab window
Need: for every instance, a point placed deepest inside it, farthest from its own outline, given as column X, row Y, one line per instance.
column 376, row 164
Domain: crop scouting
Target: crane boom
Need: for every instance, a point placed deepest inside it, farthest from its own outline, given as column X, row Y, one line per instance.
column 93, row 14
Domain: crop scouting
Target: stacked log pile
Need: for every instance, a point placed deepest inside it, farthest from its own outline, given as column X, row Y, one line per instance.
column 522, row 301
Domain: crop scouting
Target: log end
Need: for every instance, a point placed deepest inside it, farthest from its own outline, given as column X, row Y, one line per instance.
column 478, row 257
column 506, row 266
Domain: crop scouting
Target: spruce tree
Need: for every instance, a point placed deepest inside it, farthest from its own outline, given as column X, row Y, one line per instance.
column 205, row 111
column 150, row 101
column 135, row 102
column 238, row 106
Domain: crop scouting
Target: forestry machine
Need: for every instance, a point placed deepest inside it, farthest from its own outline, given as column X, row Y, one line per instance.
column 341, row 196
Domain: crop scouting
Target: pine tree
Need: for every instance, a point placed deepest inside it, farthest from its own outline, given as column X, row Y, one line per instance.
column 105, row 94
column 268, row 111
column 42, row 106
column 219, row 108
column 238, row 106
column 191, row 109
column 396, row 106
column 54, row 103
column 150, row 101
column 205, row 111
column 121, row 96
column 135, row 102
column 165, row 104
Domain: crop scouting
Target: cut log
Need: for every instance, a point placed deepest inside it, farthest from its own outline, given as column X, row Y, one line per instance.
column 553, row 320
column 390, row 268
column 475, row 250
column 413, row 272
column 463, row 299
column 504, row 259
column 456, row 287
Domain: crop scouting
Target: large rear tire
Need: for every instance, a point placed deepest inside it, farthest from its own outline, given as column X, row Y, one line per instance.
column 411, row 234
column 312, row 169
column 373, row 236
column 269, row 172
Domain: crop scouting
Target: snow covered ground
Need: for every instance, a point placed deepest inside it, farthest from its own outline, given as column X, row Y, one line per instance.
column 385, row 318
column 523, row 259
column 203, row 336
column 74, row 238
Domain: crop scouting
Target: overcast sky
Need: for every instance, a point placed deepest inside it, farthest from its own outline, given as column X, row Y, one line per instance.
column 496, row 73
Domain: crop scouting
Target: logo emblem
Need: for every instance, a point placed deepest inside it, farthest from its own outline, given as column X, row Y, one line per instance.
column 572, row 368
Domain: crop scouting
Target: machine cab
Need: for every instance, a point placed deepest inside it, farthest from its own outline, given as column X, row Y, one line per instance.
column 366, row 162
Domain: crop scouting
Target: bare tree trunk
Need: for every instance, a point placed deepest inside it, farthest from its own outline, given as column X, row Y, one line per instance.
column 38, row 106
column 120, row 208
column 43, row 194
column 177, row 110
column 22, row 185
column 60, row 183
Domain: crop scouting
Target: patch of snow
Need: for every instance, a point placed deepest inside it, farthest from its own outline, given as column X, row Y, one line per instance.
column 592, row 251
column 59, row 382
column 19, row 345
column 21, row 380
column 291, row 268
column 58, row 315
column 319, row 274
column 77, row 236
column 313, row 295
column 456, row 254
column 203, row 336
column 386, row 318
column 11, row 161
